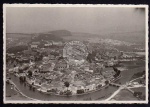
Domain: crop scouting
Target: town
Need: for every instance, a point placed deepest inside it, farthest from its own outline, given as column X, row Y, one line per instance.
column 42, row 67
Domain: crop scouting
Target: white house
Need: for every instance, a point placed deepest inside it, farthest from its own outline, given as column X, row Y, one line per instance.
column 34, row 46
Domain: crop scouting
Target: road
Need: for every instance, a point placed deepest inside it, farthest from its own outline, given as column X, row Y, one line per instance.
column 125, row 86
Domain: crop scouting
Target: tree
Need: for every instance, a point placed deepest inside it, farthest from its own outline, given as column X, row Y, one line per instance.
column 20, row 79
column 137, row 94
column 66, row 84
column 33, row 88
column 115, row 69
column 20, row 70
column 30, row 86
column 80, row 91
column 68, row 92
column 60, row 58
column 30, row 73
column 106, row 82
column 14, row 65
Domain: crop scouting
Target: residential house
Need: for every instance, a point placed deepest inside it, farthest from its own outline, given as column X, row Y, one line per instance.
column 48, row 44
column 57, row 43
column 35, row 45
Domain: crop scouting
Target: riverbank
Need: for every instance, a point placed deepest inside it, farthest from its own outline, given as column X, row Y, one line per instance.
column 88, row 91
column 40, row 96
column 96, row 95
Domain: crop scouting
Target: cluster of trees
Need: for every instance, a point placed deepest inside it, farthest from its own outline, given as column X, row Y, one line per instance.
column 67, row 92
column 106, row 82
column 91, row 57
column 30, row 73
column 67, row 84
column 117, row 72
column 80, row 91
column 22, row 79
column 31, row 87
column 16, row 49
column 8, row 82
column 139, row 95
column 38, row 58
column 138, row 74
column 52, row 90
column 54, row 53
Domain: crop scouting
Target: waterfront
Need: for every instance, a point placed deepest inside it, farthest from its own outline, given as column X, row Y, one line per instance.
column 97, row 95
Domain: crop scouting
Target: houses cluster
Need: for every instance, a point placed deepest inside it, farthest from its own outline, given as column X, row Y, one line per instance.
column 125, row 56
column 47, row 69
column 46, row 44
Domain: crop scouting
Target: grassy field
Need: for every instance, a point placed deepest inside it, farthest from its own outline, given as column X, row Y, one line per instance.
column 140, row 89
column 125, row 95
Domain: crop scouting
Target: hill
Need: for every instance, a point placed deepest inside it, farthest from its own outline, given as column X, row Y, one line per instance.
column 61, row 33
column 18, row 35
column 56, row 35
column 131, row 37
column 46, row 37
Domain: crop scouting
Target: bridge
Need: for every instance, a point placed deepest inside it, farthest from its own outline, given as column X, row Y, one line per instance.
column 114, row 84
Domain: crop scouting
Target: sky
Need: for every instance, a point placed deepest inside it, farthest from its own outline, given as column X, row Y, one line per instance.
column 96, row 20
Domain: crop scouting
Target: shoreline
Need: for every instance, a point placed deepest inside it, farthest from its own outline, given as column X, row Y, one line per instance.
column 74, row 94
column 86, row 92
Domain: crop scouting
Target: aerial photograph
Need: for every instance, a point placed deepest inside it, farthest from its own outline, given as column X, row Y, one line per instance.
column 75, row 53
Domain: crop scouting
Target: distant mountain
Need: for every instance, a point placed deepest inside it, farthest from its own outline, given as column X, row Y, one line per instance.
column 61, row 33
column 46, row 37
column 131, row 37
column 18, row 35
column 56, row 35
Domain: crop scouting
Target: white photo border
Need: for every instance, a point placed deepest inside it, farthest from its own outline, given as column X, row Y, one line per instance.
column 73, row 5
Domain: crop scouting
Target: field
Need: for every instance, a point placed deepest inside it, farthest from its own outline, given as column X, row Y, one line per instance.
column 140, row 89
column 125, row 95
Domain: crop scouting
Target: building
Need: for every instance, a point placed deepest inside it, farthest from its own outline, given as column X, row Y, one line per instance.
column 57, row 43
column 110, row 63
column 48, row 44
column 51, row 57
column 90, row 87
column 37, row 82
column 25, row 60
column 109, row 74
column 61, row 64
column 34, row 45
column 45, row 60
column 46, row 67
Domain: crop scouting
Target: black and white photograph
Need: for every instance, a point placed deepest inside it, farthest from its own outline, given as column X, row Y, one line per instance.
column 65, row 53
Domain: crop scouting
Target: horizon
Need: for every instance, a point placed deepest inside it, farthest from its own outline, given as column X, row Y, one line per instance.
column 75, row 19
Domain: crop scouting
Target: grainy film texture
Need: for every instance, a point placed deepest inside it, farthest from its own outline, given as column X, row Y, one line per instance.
column 75, row 53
